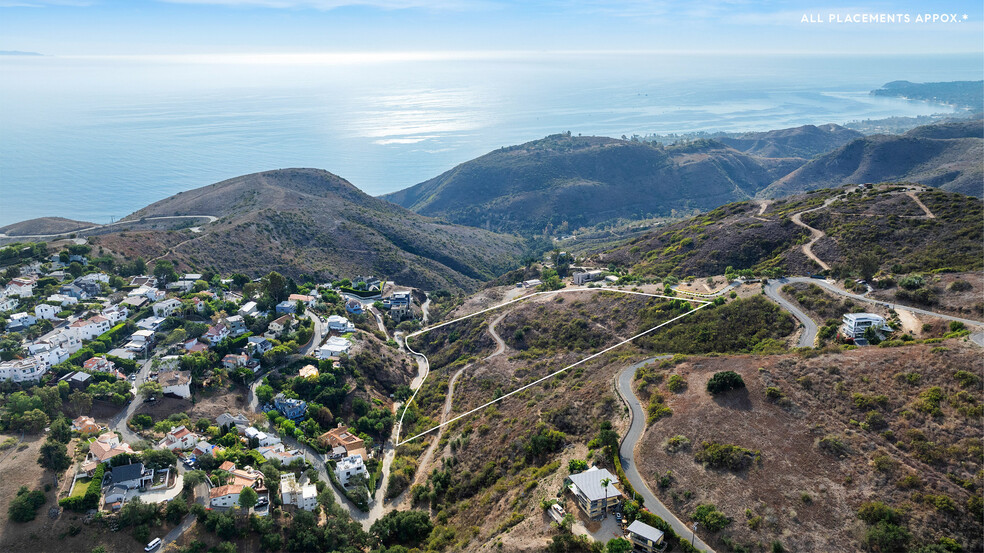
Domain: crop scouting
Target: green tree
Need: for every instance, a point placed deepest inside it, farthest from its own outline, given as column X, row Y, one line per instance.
column 51, row 400
column 164, row 271
column 60, row 431
column 25, row 505
column 176, row 509
column 159, row 458
column 577, row 465
column 149, row 388
column 407, row 528
column 724, row 381
column 604, row 484
column 75, row 269
column 54, row 455
column 618, row 545
column 867, row 265
column 275, row 286
column 248, row 498
column 34, row 421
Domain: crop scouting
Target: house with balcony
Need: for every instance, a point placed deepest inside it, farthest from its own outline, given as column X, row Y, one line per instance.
column 303, row 496
column 592, row 494
column 645, row 538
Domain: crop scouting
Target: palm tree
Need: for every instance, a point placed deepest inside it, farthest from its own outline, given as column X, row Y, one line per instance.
column 604, row 484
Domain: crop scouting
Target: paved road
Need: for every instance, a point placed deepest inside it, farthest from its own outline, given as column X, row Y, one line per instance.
column 320, row 330
column 627, row 453
column 211, row 219
column 810, row 328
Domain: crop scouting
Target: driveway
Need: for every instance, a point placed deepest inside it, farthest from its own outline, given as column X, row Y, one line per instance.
column 810, row 329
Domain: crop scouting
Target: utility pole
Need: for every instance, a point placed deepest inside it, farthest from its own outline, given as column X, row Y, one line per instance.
column 693, row 534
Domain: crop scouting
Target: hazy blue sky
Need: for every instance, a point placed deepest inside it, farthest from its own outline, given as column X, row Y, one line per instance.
column 81, row 27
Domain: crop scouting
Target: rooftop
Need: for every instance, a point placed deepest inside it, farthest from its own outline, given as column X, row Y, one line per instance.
column 589, row 482
column 646, row 531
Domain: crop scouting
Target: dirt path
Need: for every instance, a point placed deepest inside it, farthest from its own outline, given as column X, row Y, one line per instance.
column 816, row 234
column 909, row 321
column 929, row 214
column 763, row 205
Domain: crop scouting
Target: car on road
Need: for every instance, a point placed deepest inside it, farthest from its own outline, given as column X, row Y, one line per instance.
column 262, row 502
column 132, row 377
column 154, row 544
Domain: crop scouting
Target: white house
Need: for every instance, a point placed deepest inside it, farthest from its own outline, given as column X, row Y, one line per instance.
column 21, row 286
column 24, row 370
column 286, row 307
column 278, row 454
column 265, row 440
column 348, row 467
column 216, row 334
column 8, row 303
column 239, row 421
column 66, row 339
column 856, row 323
column 167, row 308
column 152, row 294
column 585, row 277
column 61, row 299
column 90, row 328
column 334, row 347
column 303, row 496
column 258, row 345
column 99, row 364
column 340, row 324
column 179, row 438
column 176, row 383
column 24, row 319
column 150, row 323
column 248, row 308
column 278, row 326
column 308, row 301
column 225, row 496
column 115, row 313
column 45, row 311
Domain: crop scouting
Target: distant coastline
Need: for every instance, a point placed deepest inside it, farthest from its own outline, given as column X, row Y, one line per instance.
column 19, row 53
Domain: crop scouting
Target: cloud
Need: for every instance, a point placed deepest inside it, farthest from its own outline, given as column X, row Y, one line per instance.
column 325, row 5
column 43, row 3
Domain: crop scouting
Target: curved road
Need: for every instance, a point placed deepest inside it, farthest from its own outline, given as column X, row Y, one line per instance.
column 810, row 328
column 211, row 219
column 814, row 233
column 627, row 453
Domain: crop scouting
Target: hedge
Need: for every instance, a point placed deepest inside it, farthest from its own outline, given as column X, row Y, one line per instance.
column 90, row 500
column 670, row 535
column 112, row 336
column 362, row 293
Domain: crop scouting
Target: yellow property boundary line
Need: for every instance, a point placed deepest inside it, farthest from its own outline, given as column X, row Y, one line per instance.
column 535, row 382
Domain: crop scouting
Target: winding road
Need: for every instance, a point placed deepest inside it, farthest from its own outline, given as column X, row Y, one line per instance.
column 810, row 328
column 814, row 233
column 211, row 219
column 630, row 441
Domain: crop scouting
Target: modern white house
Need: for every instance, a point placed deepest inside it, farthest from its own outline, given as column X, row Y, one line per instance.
column 348, row 467
column 334, row 347
column 263, row 438
column 8, row 303
column 177, row 383
column 90, row 328
column 591, row 493
column 179, row 438
column 340, row 324
column 45, row 311
column 855, row 324
column 23, row 319
column 303, row 496
column 21, row 286
column 24, row 370
column 167, row 308
column 248, row 308
column 586, row 277
column 61, row 299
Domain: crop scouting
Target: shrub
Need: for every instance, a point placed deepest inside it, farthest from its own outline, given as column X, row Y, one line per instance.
column 773, row 393
column 676, row 443
column 873, row 512
column 710, row 517
column 676, row 384
column 727, row 456
column 577, row 465
column 833, row 444
column 967, row 379
column 725, row 381
column 657, row 409
column 25, row 505
column 959, row 286
column 886, row 536
column 930, row 400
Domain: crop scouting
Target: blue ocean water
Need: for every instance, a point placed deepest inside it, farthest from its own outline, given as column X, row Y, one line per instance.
column 94, row 138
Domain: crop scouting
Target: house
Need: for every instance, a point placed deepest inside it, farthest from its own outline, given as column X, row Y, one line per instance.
column 191, row 277
column 107, row 446
column 150, row 323
column 341, row 437
column 278, row 327
column 66, row 339
column 115, row 496
column 122, row 353
column 399, row 305
column 21, row 286
column 23, row 319
column 115, row 313
column 99, row 364
column 45, row 311
column 31, row 368
column 151, row 293
column 225, row 496
column 644, row 538
column 175, row 383
column 277, row 454
column 258, row 345
column 239, row 421
column 203, row 448
column 167, row 308
column 308, row 301
column 354, row 306
column 227, row 466
column 132, row 476
column 136, row 302
column 263, row 438
column 90, row 328
column 334, row 347
column 194, row 346
column 73, row 291
column 293, row 409
column 181, row 286
column 532, row 283
column 855, row 324
column 199, row 304
column 77, row 380
column 581, row 279
column 237, row 325
column 143, row 336
column 216, row 334
column 286, row 307
column 8, row 303
column 349, row 467
column 60, row 299
column 179, row 438
column 234, row 360
column 248, row 309
column 247, row 477
column 338, row 323
column 144, row 280
column 91, row 285
column 302, row 496
column 85, row 425
column 593, row 497
column 308, row 371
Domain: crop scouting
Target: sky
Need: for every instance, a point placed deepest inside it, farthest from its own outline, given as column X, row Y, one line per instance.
column 471, row 27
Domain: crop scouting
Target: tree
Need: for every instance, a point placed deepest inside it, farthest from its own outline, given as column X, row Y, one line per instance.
column 60, row 431
column 867, row 265
column 406, row 528
column 577, row 465
column 51, row 400
column 604, row 484
column 248, row 498
column 148, row 389
column 265, row 393
column 725, row 381
column 24, row 506
column 618, row 545
column 34, row 421
column 54, row 455
column 159, row 458
column 275, row 286
column 164, row 271
column 75, row 269
column 176, row 509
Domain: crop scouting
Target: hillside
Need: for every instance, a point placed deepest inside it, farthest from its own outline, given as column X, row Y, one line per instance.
column 582, row 181
column 311, row 221
column 806, row 141
column 946, row 156
column 964, row 94
column 884, row 221
column 44, row 225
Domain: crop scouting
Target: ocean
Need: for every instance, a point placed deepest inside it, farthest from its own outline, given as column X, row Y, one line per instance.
column 96, row 138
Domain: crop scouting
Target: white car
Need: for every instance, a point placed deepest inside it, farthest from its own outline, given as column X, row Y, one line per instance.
column 153, row 544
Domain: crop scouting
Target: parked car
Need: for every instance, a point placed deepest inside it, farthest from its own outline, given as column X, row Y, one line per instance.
column 153, row 544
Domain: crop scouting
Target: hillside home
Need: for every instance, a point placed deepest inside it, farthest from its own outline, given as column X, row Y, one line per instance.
column 179, row 439
column 194, row 346
column 341, row 437
column 293, row 409
column 144, row 280
column 263, row 438
column 308, row 371
column 237, row 325
column 29, row 369
column 45, row 311
column 8, row 303
column 644, row 538
column 532, row 283
column 77, row 380
column 354, row 306
column 90, row 328
column 591, row 495
column 225, row 496
column 61, row 299
column 302, row 496
column 248, row 309
column 107, row 446
column 205, row 448
column 278, row 327
column 181, row 286
column 216, row 334
column 99, row 364
column 199, row 304
column 277, row 454
column 349, row 467
column 21, row 286
column 234, row 361
column 150, row 323
column 286, row 307
column 338, row 323
column 132, row 476
column 66, row 339
column 23, row 320
column 239, row 421
column 175, row 383
column 308, row 301
column 247, row 477
column 85, row 425
column 136, row 302
column 73, row 291
column 167, row 308
column 334, row 347
column 115, row 313
column 581, row 279
column 258, row 345
column 855, row 324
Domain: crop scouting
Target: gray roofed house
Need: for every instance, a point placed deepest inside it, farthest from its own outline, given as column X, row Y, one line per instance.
column 132, row 475
column 594, row 498
column 644, row 537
